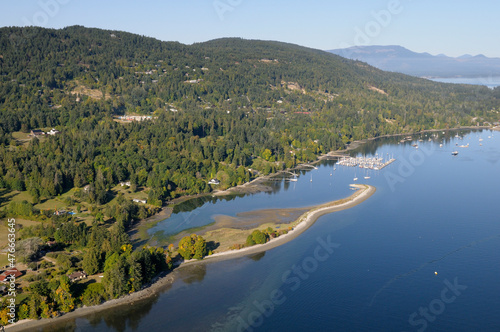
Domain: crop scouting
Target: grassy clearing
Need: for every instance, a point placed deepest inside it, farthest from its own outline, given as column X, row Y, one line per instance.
column 58, row 202
column 141, row 193
column 19, row 135
column 3, row 259
column 4, row 231
column 227, row 237
column 7, row 196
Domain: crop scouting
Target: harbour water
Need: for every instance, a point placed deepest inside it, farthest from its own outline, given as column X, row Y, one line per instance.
column 422, row 254
column 491, row 81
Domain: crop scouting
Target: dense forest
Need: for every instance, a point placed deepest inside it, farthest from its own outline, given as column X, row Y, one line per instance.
column 229, row 109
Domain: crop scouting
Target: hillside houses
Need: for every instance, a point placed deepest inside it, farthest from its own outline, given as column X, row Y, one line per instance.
column 38, row 132
column 135, row 117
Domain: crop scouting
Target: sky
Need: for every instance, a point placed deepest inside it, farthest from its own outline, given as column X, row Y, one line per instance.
column 451, row 27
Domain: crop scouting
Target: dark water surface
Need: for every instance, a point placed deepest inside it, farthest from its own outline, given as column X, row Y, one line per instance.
column 369, row 268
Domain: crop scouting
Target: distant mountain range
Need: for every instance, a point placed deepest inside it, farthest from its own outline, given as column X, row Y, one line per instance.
column 402, row 60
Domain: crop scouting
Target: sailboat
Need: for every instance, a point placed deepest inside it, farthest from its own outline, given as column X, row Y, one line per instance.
column 355, row 177
column 311, row 178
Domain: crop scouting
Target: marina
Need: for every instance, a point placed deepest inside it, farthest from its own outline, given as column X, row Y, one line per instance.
column 375, row 163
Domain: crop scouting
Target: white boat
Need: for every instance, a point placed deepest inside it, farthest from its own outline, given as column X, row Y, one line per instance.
column 440, row 145
column 355, row 179
column 367, row 177
column 454, row 153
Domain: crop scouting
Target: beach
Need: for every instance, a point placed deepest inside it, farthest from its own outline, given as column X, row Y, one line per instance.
column 305, row 221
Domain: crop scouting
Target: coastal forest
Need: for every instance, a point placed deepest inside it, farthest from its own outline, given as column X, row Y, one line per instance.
column 139, row 123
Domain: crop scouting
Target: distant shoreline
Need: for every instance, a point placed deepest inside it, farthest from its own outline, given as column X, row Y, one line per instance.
column 305, row 221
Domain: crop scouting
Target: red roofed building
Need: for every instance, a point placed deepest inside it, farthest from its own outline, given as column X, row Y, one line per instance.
column 5, row 276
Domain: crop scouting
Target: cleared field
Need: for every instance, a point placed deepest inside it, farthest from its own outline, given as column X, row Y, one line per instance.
column 7, row 196
column 4, row 231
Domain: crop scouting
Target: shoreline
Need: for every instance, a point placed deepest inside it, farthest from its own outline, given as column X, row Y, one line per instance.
column 305, row 221
column 256, row 186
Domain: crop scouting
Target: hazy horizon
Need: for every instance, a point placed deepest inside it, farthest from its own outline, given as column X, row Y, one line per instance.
column 451, row 28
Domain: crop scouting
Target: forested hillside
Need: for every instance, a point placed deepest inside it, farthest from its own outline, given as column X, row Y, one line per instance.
column 218, row 108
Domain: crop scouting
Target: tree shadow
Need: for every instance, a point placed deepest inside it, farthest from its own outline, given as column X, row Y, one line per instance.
column 78, row 288
column 212, row 245
column 257, row 257
column 6, row 195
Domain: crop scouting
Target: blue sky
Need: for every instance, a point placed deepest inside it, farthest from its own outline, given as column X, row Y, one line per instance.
column 450, row 27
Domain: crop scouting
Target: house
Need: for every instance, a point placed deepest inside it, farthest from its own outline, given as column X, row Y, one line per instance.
column 60, row 212
column 37, row 132
column 125, row 183
column 214, row 181
column 143, row 201
column 75, row 276
column 5, row 276
column 53, row 132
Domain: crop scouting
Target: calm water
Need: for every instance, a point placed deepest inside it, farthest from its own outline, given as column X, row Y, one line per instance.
column 490, row 82
column 369, row 268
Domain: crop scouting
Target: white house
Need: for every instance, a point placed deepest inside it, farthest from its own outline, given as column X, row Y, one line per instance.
column 53, row 132
column 214, row 181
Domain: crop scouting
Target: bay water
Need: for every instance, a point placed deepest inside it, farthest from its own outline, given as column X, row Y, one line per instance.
column 421, row 254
